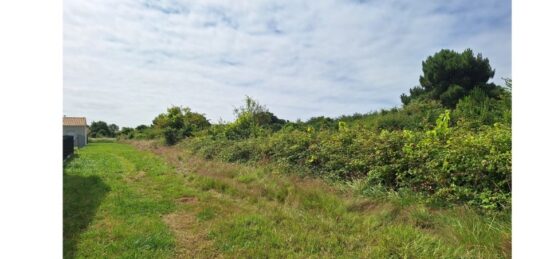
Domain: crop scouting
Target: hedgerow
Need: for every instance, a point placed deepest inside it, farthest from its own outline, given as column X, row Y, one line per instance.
column 451, row 164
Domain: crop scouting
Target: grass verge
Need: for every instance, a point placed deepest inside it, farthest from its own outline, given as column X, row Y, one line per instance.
column 150, row 201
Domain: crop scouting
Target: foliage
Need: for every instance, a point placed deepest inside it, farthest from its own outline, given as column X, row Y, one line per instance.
column 178, row 123
column 416, row 115
column 196, row 121
column 322, row 123
column 141, row 127
column 113, row 129
column 140, row 132
column 253, row 119
column 449, row 75
column 126, row 132
column 453, row 156
column 446, row 163
column 100, row 129
column 478, row 108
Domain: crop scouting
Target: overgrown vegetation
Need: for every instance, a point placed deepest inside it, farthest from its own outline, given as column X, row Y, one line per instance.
column 450, row 142
column 177, row 123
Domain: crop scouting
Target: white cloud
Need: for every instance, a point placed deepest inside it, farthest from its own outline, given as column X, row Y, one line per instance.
column 126, row 61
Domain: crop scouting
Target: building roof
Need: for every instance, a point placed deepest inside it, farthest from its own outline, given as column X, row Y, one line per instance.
column 74, row 121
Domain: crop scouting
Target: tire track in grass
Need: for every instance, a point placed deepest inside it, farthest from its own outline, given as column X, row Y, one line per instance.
column 127, row 221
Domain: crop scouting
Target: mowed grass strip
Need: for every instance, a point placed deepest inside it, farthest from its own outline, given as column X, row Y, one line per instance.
column 114, row 201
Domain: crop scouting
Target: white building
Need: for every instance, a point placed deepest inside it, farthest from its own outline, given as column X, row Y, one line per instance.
column 77, row 128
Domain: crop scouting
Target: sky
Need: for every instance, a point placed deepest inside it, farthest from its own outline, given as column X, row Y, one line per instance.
column 126, row 61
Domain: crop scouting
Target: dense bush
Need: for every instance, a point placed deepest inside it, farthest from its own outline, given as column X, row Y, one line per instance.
column 253, row 119
column 452, row 164
column 126, row 133
column 178, row 123
column 478, row 108
column 140, row 132
column 100, row 129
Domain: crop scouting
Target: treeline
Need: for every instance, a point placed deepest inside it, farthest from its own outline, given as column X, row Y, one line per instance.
column 100, row 129
column 450, row 140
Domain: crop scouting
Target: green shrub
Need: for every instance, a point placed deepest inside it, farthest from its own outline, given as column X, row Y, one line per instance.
column 253, row 120
column 478, row 109
column 448, row 164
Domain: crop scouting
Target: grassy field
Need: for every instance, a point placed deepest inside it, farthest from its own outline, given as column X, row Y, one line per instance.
column 149, row 201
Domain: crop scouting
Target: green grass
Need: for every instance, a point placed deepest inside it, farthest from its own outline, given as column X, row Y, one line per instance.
column 114, row 197
column 206, row 214
column 101, row 140
column 159, row 202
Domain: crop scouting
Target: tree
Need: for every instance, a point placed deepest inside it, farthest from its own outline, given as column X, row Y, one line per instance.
column 172, row 125
column 126, row 132
column 508, row 83
column 141, row 127
column 195, row 120
column 99, row 129
column 160, row 121
column 252, row 118
column 113, row 129
column 258, row 113
column 448, row 76
column 178, row 123
column 172, row 118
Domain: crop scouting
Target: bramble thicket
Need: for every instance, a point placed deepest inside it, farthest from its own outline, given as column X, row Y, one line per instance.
column 450, row 142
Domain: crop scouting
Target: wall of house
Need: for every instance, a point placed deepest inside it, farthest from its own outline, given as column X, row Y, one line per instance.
column 79, row 132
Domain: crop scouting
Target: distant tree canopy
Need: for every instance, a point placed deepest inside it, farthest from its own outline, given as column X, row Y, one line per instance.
column 141, row 127
column 448, row 76
column 113, row 128
column 178, row 123
column 321, row 122
column 100, row 129
column 126, row 131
